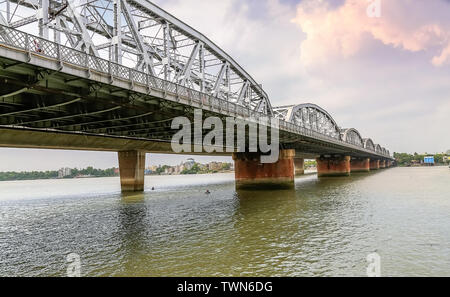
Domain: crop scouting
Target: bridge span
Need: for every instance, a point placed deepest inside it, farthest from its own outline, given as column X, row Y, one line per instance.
column 112, row 75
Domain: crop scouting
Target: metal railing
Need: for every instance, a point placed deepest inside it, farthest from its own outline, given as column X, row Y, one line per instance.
column 37, row 46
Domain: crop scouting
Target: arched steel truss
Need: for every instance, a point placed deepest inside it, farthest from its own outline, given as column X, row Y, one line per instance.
column 309, row 116
column 378, row 149
column 352, row 136
column 368, row 144
column 140, row 35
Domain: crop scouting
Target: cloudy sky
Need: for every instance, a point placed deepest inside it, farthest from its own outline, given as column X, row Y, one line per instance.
column 387, row 76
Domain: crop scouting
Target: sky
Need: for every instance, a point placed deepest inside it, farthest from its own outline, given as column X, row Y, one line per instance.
column 385, row 73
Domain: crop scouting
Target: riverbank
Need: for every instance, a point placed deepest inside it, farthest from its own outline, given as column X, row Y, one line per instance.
column 115, row 175
column 63, row 173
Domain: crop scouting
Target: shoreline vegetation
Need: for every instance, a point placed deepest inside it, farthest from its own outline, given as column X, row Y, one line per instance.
column 90, row 172
column 192, row 168
column 413, row 160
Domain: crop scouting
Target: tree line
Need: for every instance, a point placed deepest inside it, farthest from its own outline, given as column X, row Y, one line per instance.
column 405, row 159
column 75, row 172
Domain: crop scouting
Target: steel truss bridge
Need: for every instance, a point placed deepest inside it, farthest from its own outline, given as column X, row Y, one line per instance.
column 111, row 75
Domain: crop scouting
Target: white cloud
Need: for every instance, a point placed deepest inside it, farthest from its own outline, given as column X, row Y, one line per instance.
column 340, row 32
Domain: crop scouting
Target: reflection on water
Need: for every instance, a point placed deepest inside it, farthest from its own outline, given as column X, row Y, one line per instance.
column 323, row 227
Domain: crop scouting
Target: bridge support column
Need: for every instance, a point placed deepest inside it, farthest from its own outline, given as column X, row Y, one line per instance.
column 382, row 164
column 299, row 164
column 374, row 164
column 131, row 167
column 333, row 166
column 360, row 165
column 251, row 173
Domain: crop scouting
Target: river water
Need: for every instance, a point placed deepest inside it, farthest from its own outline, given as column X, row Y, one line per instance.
column 325, row 227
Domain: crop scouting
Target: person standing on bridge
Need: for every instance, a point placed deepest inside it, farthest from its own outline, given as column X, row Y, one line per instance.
column 37, row 46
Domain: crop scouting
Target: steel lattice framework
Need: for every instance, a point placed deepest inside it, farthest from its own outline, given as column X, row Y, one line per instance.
column 139, row 35
column 137, row 45
column 352, row 136
column 379, row 149
column 309, row 116
column 368, row 144
column 314, row 117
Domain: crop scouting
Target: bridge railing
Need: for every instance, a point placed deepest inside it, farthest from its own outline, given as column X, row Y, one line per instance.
column 37, row 46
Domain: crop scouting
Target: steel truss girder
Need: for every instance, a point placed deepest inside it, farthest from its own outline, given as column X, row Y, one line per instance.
column 40, row 108
column 378, row 149
column 162, row 45
column 148, row 63
column 153, row 39
column 309, row 116
column 79, row 23
column 3, row 21
column 368, row 144
column 352, row 136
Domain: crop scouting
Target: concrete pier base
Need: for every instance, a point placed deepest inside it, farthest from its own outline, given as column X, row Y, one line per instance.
column 251, row 173
column 333, row 166
column 132, row 166
column 374, row 164
column 299, row 164
column 360, row 165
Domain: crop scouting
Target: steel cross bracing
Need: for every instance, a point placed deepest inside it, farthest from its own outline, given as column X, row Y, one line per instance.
column 136, row 40
column 140, row 35
column 315, row 118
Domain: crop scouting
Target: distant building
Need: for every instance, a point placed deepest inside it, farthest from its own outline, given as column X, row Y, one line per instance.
column 215, row 166
column 428, row 160
column 169, row 170
column 63, row 172
column 180, row 168
column 189, row 164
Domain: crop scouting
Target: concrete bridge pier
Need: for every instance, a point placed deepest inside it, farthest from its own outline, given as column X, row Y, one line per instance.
column 374, row 164
column 382, row 164
column 299, row 164
column 360, row 165
column 251, row 173
column 333, row 166
column 132, row 170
